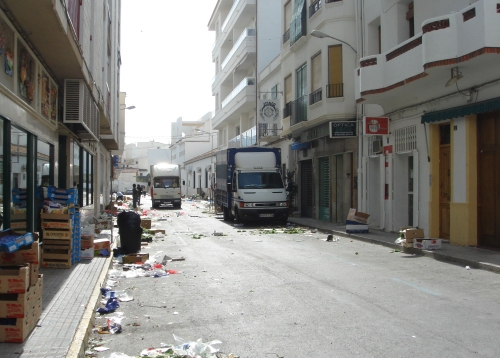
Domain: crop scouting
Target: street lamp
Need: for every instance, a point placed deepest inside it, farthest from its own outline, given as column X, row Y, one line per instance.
column 321, row 35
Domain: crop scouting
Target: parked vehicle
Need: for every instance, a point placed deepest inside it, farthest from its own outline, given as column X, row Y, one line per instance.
column 249, row 184
column 165, row 184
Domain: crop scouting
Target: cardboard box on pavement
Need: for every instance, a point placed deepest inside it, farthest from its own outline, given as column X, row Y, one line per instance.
column 412, row 233
column 14, row 279
column 133, row 258
column 24, row 254
column 358, row 216
column 18, row 305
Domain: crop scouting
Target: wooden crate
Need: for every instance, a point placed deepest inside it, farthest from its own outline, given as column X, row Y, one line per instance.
column 56, row 253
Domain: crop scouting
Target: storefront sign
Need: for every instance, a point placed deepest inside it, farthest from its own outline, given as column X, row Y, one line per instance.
column 376, row 125
column 342, row 129
column 269, row 111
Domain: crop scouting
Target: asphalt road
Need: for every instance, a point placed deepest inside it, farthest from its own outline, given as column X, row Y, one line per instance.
column 274, row 294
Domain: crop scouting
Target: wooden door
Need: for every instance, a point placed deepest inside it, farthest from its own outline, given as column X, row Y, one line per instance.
column 444, row 183
column 488, row 179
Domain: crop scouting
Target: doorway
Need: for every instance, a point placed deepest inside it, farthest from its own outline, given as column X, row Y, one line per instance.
column 306, row 188
column 488, row 179
column 444, row 181
column 324, row 189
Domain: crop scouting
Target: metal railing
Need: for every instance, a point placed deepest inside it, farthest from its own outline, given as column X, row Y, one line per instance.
column 287, row 111
column 316, row 96
column 299, row 110
column 286, row 36
column 314, row 8
column 335, row 90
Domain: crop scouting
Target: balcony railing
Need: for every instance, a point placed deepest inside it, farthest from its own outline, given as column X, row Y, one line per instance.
column 299, row 110
column 231, row 12
column 335, row 90
column 73, row 8
column 314, row 8
column 246, row 33
column 286, row 36
column 329, row 1
column 316, row 96
column 247, row 81
column 287, row 111
column 246, row 139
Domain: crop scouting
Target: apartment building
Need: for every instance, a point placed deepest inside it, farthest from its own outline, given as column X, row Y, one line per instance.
column 319, row 104
column 431, row 68
column 59, row 100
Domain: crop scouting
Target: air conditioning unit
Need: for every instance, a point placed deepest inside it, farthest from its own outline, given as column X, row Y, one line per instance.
column 80, row 108
column 377, row 146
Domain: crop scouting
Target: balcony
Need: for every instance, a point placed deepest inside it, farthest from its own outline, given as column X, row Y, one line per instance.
column 335, row 90
column 241, row 100
column 246, row 139
column 299, row 111
column 243, row 46
column 419, row 67
column 315, row 96
column 241, row 9
column 314, row 8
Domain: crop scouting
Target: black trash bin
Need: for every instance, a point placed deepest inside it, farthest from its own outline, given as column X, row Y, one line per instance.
column 130, row 230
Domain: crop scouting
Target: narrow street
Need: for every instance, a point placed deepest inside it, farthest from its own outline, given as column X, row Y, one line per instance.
column 266, row 292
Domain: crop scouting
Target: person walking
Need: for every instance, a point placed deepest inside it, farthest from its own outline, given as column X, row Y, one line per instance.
column 139, row 194
column 134, row 196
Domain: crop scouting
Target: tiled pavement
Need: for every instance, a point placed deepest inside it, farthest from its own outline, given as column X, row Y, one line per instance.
column 69, row 303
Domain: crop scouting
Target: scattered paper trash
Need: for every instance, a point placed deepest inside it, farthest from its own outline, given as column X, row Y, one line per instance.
column 467, row 267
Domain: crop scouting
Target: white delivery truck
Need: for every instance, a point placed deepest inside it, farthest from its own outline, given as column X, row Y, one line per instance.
column 165, row 181
column 249, row 184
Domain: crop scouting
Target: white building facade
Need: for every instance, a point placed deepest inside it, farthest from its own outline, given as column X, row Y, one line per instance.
column 59, row 100
column 432, row 69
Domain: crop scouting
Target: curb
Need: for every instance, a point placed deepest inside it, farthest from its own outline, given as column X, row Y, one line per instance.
column 428, row 253
column 78, row 345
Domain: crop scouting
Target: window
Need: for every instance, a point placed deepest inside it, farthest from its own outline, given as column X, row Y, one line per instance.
column 411, row 20
column 298, row 23
column 274, row 92
column 299, row 110
column 316, row 94
column 287, row 22
column 335, row 86
column 287, row 110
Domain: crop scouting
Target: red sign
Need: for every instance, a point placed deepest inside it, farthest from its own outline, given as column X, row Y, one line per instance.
column 376, row 125
column 387, row 149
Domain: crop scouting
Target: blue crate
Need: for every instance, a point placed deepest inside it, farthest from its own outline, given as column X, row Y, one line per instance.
column 11, row 241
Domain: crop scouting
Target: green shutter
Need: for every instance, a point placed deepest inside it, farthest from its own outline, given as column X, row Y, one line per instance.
column 324, row 189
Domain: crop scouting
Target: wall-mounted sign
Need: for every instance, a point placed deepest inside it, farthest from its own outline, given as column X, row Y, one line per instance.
column 269, row 111
column 376, row 125
column 342, row 129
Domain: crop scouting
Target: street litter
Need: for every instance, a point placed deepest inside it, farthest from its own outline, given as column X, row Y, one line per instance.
column 101, row 349
column 467, row 267
column 184, row 349
column 332, row 238
column 217, row 233
column 110, row 306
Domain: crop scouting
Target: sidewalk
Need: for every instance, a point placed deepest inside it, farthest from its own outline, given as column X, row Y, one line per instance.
column 460, row 255
column 70, row 296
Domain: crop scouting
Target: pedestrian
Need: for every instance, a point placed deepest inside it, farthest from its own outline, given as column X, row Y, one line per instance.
column 119, row 196
column 139, row 194
column 134, row 196
column 144, row 190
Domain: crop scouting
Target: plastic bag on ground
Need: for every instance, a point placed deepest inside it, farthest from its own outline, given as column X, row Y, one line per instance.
column 111, row 305
column 198, row 348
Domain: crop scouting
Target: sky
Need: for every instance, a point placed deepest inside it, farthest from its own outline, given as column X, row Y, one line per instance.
column 167, row 68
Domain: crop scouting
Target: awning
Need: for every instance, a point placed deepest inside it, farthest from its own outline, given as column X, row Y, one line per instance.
column 473, row 108
column 299, row 145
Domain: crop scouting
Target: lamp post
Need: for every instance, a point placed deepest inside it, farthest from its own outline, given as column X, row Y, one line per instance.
column 321, row 35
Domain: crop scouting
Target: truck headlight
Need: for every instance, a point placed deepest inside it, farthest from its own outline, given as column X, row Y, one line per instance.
column 283, row 203
column 248, row 205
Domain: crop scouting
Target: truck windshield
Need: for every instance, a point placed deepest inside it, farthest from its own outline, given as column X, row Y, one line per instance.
column 166, row 182
column 260, row 181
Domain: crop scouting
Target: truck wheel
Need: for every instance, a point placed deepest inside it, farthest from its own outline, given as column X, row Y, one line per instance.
column 225, row 211
column 237, row 216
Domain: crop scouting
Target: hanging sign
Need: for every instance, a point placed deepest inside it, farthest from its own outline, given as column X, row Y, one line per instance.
column 342, row 129
column 376, row 125
column 269, row 111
